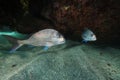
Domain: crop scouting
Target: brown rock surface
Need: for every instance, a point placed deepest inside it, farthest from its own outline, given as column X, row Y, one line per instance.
column 70, row 17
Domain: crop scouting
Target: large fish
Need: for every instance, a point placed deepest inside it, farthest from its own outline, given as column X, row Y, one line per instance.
column 88, row 35
column 46, row 37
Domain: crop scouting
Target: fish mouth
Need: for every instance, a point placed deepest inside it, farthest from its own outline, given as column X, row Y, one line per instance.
column 62, row 40
column 94, row 38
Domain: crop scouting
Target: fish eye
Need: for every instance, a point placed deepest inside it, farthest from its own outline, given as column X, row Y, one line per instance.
column 58, row 35
column 92, row 35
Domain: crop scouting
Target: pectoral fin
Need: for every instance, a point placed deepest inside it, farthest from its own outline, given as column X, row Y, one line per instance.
column 31, row 46
column 84, row 41
column 48, row 44
column 45, row 48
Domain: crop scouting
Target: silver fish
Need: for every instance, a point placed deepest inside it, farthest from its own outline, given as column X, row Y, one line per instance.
column 46, row 37
column 88, row 35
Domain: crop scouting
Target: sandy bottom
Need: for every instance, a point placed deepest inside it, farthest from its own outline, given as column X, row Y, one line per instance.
column 70, row 61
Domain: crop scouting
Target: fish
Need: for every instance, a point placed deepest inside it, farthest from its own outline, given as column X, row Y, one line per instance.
column 88, row 35
column 45, row 37
column 6, row 31
column 14, row 34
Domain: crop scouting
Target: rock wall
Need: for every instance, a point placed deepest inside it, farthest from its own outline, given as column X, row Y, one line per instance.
column 68, row 17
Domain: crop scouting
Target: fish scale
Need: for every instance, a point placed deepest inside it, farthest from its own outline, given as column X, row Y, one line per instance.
column 46, row 37
column 88, row 35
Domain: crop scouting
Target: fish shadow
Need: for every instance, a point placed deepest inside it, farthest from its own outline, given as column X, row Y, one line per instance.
column 47, row 52
column 22, row 54
column 71, row 44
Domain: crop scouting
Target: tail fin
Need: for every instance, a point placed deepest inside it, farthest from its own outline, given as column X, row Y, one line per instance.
column 16, row 46
column 16, row 43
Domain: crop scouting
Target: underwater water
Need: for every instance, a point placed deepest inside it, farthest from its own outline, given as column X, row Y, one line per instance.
column 69, row 61
column 90, row 50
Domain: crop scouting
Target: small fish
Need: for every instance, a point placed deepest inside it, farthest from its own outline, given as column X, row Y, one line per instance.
column 14, row 34
column 88, row 35
column 46, row 37
column 6, row 31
